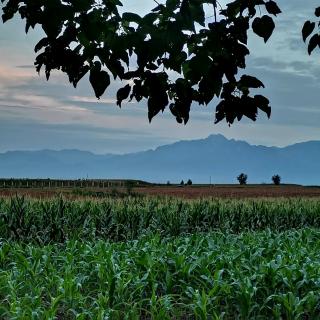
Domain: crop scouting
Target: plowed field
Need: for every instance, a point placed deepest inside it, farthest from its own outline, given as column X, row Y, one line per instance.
column 190, row 192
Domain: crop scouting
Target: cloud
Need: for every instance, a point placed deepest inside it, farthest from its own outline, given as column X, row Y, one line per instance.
column 85, row 99
column 38, row 114
column 26, row 66
column 32, row 135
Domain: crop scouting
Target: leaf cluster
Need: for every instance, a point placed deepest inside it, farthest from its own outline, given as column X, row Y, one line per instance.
column 310, row 34
column 172, row 57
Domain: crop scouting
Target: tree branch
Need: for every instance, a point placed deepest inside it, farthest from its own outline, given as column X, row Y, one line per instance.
column 215, row 10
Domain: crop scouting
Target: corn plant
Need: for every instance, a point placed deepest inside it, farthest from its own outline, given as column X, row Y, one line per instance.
column 58, row 220
column 252, row 275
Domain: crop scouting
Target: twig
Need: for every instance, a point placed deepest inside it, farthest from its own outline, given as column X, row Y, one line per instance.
column 215, row 10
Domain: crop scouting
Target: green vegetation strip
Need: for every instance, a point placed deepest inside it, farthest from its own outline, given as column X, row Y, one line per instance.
column 58, row 220
column 255, row 275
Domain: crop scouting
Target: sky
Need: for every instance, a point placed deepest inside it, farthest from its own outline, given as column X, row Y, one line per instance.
column 36, row 114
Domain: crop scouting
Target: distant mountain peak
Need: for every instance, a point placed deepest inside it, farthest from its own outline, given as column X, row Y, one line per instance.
column 221, row 139
column 216, row 156
column 217, row 136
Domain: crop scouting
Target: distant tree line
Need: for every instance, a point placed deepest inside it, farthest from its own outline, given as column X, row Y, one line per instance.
column 67, row 183
column 100, row 183
column 242, row 179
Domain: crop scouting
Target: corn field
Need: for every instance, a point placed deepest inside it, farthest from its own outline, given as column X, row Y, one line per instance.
column 159, row 258
column 58, row 220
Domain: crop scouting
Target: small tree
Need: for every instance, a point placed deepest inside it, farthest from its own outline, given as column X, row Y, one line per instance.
column 189, row 182
column 182, row 183
column 242, row 178
column 276, row 179
column 168, row 183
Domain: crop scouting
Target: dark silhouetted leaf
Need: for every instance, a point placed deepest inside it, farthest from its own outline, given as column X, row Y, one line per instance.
column 313, row 43
column 272, row 8
column 220, row 112
column 131, row 17
column 307, row 29
column 251, row 82
column 263, row 27
column 42, row 43
column 122, row 94
column 100, row 81
column 263, row 104
column 157, row 104
column 82, row 72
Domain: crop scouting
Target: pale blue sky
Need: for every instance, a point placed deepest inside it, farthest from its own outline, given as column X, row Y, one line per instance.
column 36, row 114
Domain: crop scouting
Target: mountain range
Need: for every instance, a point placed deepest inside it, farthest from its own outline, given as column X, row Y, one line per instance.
column 215, row 156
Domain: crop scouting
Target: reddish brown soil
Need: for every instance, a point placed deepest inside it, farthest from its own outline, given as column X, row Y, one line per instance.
column 190, row 192
column 233, row 191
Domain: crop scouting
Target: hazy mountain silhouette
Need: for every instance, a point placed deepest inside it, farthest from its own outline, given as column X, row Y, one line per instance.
column 215, row 156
